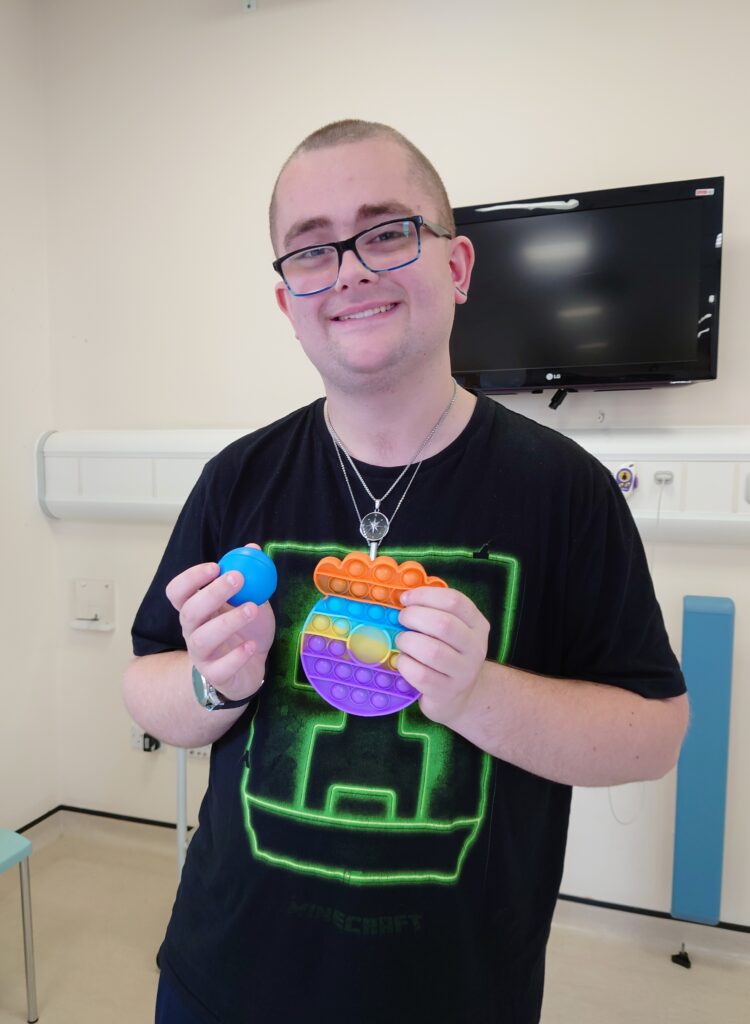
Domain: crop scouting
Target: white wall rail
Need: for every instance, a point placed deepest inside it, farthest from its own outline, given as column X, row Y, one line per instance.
column 122, row 475
column 145, row 476
column 708, row 497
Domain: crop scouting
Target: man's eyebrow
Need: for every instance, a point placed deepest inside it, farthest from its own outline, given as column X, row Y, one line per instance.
column 368, row 211
column 303, row 226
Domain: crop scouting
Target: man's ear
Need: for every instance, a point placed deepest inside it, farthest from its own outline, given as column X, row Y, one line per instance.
column 282, row 299
column 461, row 265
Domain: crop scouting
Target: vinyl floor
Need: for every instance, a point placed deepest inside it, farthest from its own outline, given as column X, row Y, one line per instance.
column 102, row 891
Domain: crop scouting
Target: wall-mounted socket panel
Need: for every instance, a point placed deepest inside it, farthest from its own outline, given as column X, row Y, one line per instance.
column 649, row 495
column 200, row 753
column 137, row 736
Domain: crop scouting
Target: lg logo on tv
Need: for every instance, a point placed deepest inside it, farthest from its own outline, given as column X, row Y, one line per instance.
column 554, row 376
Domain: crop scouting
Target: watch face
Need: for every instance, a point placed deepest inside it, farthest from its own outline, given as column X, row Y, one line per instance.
column 201, row 689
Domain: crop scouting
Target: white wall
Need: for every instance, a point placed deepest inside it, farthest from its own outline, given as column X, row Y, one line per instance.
column 167, row 121
column 632, row 863
column 28, row 755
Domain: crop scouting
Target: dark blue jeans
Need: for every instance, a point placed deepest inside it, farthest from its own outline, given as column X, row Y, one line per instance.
column 170, row 1010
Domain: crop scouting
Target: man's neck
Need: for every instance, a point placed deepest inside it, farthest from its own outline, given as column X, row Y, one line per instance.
column 387, row 428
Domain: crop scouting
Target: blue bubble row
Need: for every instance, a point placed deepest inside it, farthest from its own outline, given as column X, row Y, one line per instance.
column 361, row 611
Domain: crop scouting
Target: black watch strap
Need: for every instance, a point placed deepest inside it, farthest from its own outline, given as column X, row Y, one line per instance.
column 225, row 702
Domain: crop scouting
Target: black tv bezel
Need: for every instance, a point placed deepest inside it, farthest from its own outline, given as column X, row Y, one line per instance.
column 614, row 376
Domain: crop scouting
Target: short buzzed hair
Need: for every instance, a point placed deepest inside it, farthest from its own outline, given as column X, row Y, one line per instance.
column 351, row 130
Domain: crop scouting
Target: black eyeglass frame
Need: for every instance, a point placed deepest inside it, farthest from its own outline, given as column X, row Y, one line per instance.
column 350, row 244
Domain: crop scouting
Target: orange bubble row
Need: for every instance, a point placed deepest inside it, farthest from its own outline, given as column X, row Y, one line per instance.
column 382, row 581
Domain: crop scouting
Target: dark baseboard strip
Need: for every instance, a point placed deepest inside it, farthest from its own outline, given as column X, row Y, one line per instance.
column 99, row 814
column 650, row 913
column 571, row 899
column 36, row 821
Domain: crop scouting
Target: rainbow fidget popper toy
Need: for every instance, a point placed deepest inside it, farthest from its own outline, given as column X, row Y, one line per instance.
column 348, row 640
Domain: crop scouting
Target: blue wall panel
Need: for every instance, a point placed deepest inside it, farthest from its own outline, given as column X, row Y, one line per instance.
column 707, row 636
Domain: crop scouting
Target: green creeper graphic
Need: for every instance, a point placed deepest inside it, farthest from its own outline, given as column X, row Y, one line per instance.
column 369, row 801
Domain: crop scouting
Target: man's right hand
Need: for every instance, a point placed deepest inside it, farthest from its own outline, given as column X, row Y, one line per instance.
column 227, row 645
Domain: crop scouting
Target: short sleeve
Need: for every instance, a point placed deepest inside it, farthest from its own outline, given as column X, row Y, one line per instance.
column 613, row 627
column 156, row 627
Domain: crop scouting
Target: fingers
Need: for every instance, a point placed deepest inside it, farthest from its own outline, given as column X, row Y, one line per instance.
column 206, row 640
column 224, row 669
column 210, row 601
column 420, row 656
column 189, row 582
column 199, row 594
column 216, row 634
column 442, row 599
column 440, row 625
column 446, row 615
column 442, row 648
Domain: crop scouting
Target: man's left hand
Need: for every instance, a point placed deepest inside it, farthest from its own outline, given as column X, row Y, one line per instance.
column 443, row 649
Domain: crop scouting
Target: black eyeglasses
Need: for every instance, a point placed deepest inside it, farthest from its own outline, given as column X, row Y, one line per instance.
column 387, row 246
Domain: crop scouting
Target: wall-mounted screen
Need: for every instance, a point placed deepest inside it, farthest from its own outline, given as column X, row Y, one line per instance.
column 610, row 289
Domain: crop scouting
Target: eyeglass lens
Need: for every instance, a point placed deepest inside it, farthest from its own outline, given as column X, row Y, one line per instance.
column 386, row 247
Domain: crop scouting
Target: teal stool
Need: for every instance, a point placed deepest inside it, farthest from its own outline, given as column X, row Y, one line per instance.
column 14, row 849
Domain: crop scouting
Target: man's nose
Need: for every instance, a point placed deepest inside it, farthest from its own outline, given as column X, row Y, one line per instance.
column 353, row 271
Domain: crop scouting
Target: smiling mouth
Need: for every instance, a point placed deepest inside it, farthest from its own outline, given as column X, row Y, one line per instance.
column 367, row 312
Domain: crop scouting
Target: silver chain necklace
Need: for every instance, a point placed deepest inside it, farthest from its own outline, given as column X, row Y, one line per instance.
column 375, row 525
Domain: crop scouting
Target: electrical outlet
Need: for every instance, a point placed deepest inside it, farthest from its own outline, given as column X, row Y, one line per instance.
column 137, row 736
column 200, row 753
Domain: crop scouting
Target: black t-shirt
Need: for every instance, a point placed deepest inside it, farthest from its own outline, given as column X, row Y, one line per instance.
column 370, row 869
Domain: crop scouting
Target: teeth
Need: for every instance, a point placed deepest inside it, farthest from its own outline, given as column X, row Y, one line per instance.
column 367, row 312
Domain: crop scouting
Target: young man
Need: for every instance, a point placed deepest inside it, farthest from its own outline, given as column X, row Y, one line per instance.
column 349, row 867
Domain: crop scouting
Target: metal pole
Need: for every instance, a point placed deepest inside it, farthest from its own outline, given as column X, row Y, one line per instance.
column 28, row 942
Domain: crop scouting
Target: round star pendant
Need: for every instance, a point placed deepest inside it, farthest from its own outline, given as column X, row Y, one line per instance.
column 374, row 526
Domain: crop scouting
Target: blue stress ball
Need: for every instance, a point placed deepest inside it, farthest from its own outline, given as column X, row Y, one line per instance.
column 257, row 570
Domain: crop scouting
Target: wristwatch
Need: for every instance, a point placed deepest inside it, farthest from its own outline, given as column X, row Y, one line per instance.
column 209, row 698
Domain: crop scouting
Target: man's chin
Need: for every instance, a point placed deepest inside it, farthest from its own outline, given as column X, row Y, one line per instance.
column 360, row 376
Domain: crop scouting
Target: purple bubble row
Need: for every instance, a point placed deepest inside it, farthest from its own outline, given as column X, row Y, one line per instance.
column 343, row 673
column 361, row 701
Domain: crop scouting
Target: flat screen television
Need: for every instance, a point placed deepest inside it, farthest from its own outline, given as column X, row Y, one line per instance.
column 612, row 289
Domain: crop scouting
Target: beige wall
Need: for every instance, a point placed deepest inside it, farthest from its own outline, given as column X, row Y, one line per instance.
column 28, row 756
column 169, row 119
column 166, row 122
